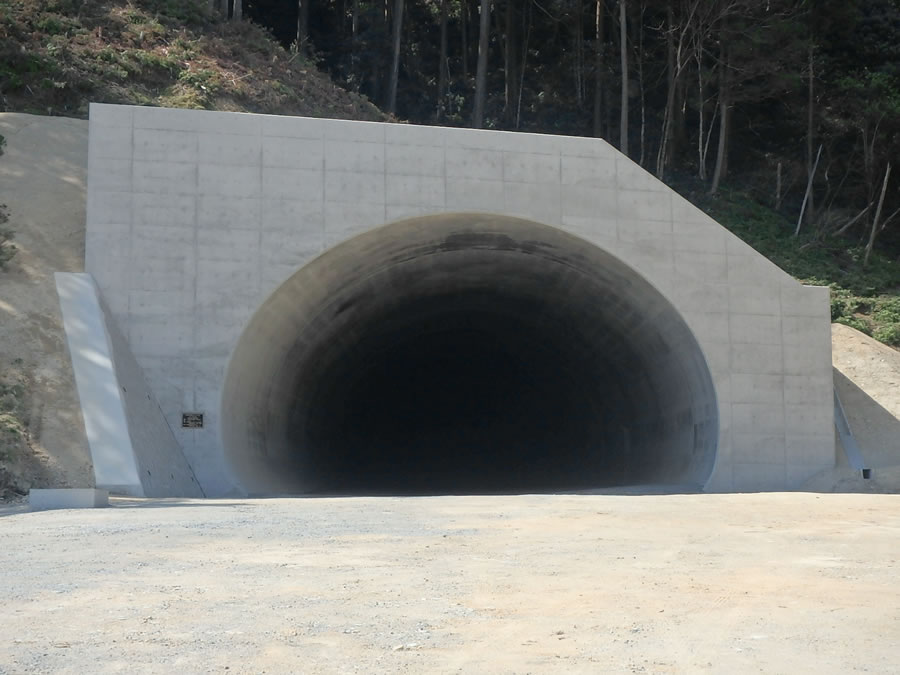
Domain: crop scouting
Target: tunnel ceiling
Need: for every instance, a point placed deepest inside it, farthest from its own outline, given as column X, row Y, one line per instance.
column 466, row 353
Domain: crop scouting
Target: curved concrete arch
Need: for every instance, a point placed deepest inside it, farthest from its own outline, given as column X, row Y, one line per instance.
column 467, row 352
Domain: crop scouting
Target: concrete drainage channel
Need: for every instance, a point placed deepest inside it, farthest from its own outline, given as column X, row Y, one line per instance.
column 461, row 354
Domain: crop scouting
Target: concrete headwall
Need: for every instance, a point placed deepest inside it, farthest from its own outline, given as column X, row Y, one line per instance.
column 195, row 218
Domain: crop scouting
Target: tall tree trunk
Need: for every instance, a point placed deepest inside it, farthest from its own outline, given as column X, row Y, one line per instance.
column 354, row 45
column 443, row 75
column 464, row 34
column 623, row 51
column 511, row 71
column 303, row 26
column 529, row 17
column 701, row 109
column 395, row 59
column 810, row 207
column 237, row 11
column 669, row 111
column 875, row 223
column 724, row 114
column 579, row 53
column 481, row 71
column 640, row 64
column 599, row 65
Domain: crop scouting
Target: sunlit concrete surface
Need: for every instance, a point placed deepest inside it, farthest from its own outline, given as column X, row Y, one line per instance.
column 133, row 450
column 580, row 321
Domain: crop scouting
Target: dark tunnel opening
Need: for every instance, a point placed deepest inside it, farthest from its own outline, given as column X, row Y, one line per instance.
column 467, row 354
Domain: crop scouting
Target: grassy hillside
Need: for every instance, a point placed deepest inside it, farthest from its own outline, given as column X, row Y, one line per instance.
column 867, row 299
column 57, row 55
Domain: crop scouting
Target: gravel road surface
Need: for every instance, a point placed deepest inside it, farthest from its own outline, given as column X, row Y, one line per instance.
column 776, row 583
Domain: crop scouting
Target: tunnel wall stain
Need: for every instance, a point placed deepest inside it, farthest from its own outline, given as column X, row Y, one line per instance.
column 196, row 218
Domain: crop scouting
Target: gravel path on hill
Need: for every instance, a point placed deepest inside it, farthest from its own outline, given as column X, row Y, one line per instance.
column 783, row 583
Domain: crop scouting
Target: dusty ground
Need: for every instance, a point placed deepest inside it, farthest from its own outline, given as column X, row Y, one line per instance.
column 783, row 583
column 42, row 181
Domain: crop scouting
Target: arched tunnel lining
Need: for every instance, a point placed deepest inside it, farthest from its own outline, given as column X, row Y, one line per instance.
column 466, row 353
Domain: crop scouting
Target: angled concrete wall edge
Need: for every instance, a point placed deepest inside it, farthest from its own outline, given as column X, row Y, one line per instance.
column 106, row 425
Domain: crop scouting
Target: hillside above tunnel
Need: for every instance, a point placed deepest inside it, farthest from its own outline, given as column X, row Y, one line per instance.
column 56, row 56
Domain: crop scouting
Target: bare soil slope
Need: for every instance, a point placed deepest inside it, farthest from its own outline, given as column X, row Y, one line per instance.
column 42, row 181
column 867, row 379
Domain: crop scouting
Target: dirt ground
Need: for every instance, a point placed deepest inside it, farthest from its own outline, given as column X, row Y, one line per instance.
column 775, row 583
column 43, row 174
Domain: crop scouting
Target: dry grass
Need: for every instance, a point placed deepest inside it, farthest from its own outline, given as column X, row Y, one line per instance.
column 58, row 55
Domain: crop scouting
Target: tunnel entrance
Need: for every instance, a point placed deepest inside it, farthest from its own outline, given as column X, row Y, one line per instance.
column 467, row 353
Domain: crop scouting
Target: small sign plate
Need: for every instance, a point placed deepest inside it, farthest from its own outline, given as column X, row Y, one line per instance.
column 191, row 420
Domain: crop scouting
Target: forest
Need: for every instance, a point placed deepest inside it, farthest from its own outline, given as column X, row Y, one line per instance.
column 779, row 118
column 798, row 100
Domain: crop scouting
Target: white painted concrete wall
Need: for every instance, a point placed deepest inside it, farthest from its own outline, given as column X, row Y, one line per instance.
column 132, row 447
column 194, row 218
column 115, row 467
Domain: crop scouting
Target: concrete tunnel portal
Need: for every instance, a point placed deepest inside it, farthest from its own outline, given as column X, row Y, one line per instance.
column 466, row 353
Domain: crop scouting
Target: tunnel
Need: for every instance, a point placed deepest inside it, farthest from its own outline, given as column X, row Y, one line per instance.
column 466, row 354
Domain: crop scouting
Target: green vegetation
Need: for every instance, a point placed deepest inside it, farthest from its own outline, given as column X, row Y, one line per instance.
column 865, row 298
column 57, row 55
column 13, row 435
column 7, row 249
column 811, row 74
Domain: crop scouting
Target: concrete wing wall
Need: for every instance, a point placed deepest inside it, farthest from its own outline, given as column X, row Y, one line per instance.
column 132, row 446
column 194, row 218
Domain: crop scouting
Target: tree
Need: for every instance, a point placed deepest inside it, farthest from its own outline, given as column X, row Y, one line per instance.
column 623, row 57
column 395, row 60
column 724, row 86
column 481, row 71
column 302, row 39
column 443, row 74
column 599, row 66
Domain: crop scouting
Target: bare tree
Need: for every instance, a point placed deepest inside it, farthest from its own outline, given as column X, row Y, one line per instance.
column 682, row 30
column 641, row 88
column 395, row 62
column 511, row 64
column 481, row 70
column 599, row 65
column 578, row 47
column 810, row 119
column 876, row 224
column 443, row 74
column 623, row 52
